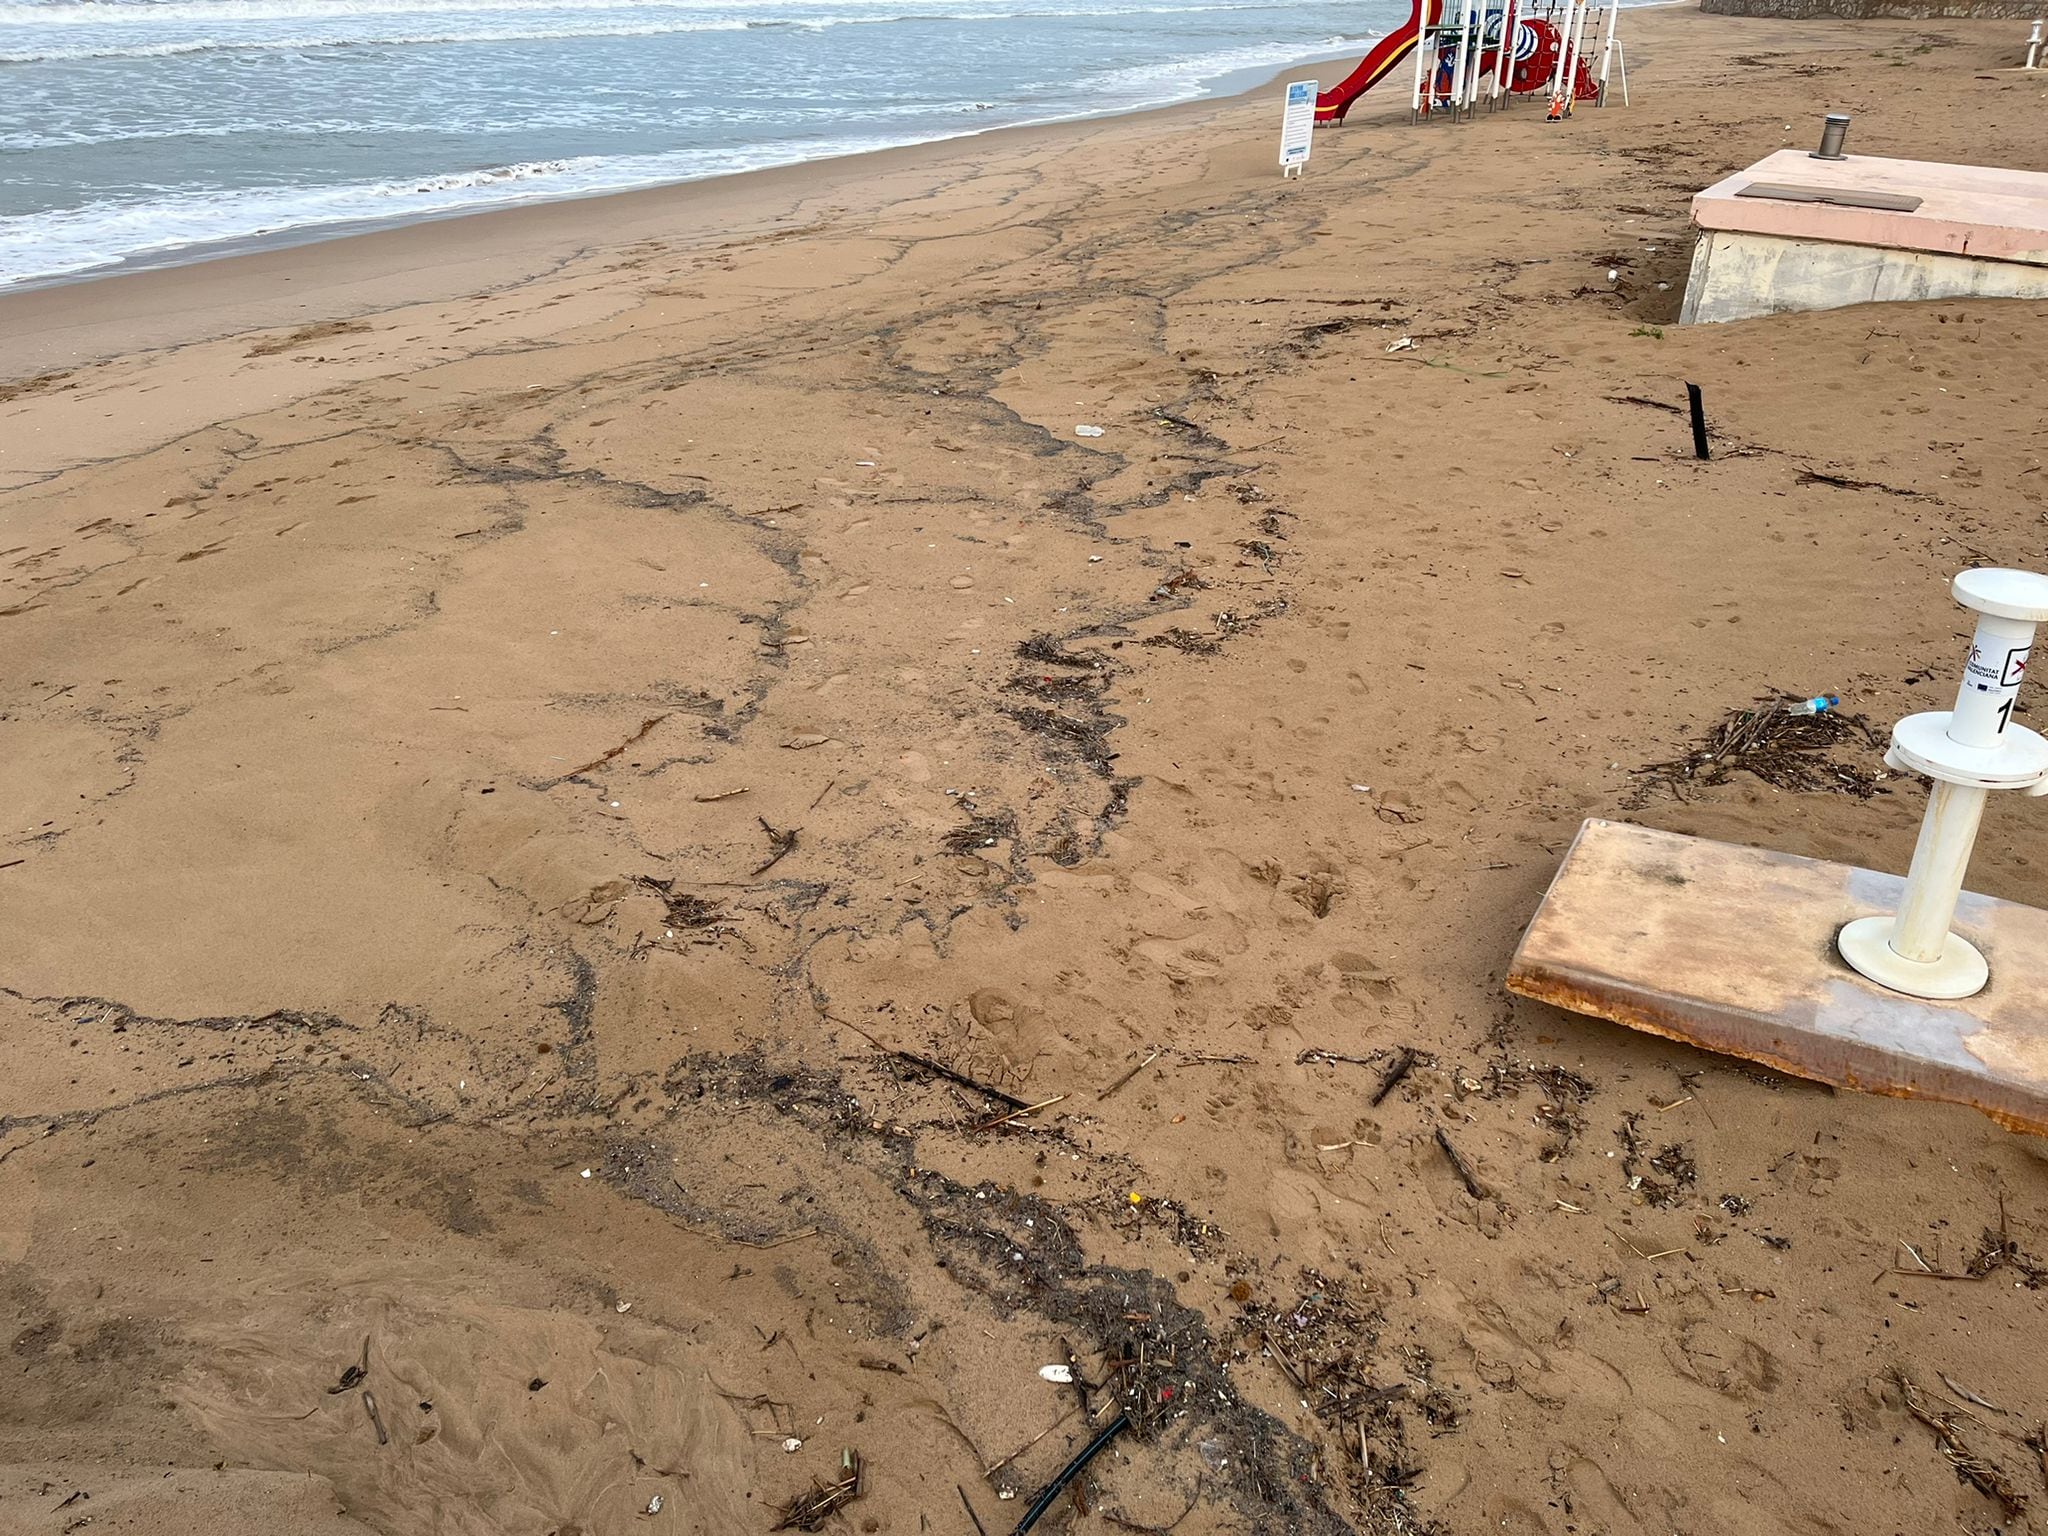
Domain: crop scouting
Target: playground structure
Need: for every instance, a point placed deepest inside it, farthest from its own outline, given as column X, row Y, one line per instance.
column 1458, row 57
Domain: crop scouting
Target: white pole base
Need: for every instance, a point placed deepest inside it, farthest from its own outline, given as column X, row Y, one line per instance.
column 1960, row 972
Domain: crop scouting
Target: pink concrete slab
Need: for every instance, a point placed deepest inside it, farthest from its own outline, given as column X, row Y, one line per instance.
column 1965, row 210
column 1733, row 949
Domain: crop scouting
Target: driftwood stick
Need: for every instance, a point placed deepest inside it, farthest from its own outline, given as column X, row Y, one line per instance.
column 936, row 1068
column 1459, row 1166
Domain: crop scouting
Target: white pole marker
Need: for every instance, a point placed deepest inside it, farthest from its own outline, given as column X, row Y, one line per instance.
column 1297, row 126
column 1968, row 752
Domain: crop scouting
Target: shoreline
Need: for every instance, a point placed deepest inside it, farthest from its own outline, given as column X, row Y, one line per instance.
column 150, row 290
column 1228, row 87
column 458, row 254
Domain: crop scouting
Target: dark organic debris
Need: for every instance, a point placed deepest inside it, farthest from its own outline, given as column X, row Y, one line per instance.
column 936, row 1068
column 1160, row 1364
column 781, row 843
column 1087, row 739
column 1985, row 1476
column 606, row 756
column 681, row 909
column 1324, row 1344
column 355, row 1373
column 1185, row 640
column 1673, row 1162
column 1999, row 1250
column 1070, row 689
column 1403, row 1064
column 1186, row 579
column 1230, row 622
column 1843, row 482
column 1308, row 337
column 1459, row 1166
column 982, row 830
column 1048, row 651
column 809, row 1511
column 1564, row 1091
column 1787, row 751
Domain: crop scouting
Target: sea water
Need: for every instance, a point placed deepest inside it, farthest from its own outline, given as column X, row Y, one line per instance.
column 151, row 131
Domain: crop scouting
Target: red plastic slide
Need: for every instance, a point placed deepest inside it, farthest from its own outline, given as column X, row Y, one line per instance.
column 1331, row 105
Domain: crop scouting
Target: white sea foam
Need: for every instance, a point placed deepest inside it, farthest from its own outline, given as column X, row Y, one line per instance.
column 1160, row 84
column 144, row 13
column 348, row 29
column 103, row 233
column 166, row 48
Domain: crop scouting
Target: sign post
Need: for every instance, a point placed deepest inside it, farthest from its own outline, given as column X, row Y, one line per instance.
column 1297, row 126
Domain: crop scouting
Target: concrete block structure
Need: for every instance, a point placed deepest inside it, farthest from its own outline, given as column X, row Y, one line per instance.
column 1795, row 232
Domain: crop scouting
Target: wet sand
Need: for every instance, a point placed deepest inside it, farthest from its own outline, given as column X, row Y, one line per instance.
column 527, row 739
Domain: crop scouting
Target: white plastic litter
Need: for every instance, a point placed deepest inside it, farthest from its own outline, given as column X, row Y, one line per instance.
column 1062, row 1374
column 1084, row 430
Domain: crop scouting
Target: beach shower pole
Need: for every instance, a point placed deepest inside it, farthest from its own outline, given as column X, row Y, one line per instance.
column 1968, row 752
column 2034, row 47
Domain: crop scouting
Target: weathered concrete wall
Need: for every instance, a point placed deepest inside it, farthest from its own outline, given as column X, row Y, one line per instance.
column 1739, row 276
column 1876, row 10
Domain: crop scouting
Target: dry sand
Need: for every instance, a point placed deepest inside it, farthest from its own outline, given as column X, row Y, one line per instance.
column 503, row 722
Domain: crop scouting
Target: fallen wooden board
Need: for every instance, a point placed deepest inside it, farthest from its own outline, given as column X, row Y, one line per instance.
column 1733, row 949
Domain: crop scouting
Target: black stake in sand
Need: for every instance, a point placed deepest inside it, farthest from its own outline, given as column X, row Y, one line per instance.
column 1699, row 422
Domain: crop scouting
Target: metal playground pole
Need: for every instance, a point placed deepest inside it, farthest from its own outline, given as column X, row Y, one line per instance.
column 1607, row 49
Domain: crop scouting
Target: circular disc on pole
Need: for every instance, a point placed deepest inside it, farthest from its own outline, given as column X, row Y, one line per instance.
column 2004, row 594
column 1960, row 972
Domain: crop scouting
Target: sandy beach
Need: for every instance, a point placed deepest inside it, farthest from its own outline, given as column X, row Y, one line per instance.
column 629, row 865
